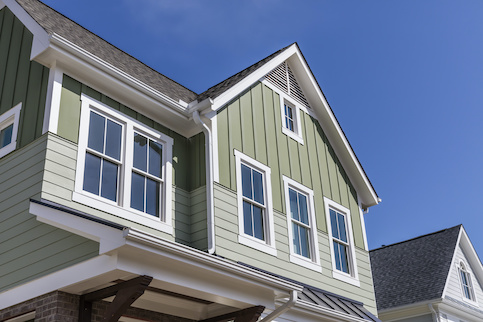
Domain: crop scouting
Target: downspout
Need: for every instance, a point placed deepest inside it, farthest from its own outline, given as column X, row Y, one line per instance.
column 282, row 309
column 436, row 315
column 209, row 182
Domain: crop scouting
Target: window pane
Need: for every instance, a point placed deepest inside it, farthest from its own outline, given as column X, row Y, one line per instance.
column 342, row 232
column 96, row 132
column 109, row 180
column 6, row 136
column 304, row 241
column 137, row 192
column 337, row 255
column 246, row 173
column 293, row 204
column 155, row 158
column 258, row 187
column 290, row 125
column 296, row 239
column 113, row 140
column 257, row 222
column 343, row 258
column 304, row 216
column 247, row 218
column 140, row 152
column 152, row 197
column 92, row 173
column 333, row 223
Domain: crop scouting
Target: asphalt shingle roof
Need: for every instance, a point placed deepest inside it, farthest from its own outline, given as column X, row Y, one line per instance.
column 414, row 270
column 54, row 22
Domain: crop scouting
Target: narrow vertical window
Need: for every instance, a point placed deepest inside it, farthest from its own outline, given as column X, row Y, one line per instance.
column 103, row 157
column 340, row 242
column 466, row 283
column 291, row 123
column 147, row 177
column 8, row 129
column 6, row 136
column 300, row 223
column 255, row 213
column 289, row 117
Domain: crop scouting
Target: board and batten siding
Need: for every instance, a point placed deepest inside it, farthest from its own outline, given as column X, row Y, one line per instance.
column 188, row 153
column 454, row 287
column 21, row 80
column 226, row 232
column 28, row 248
column 252, row 124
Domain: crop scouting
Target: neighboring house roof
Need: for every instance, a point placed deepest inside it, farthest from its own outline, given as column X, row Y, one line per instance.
column 54, row 22
column 414, row 270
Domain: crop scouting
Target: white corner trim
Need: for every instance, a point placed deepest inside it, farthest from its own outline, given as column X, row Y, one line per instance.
column 353, row 277
column 267, row 245
column 41, row 37
column 12, row 116
column 52, row 102
column 109, row 238
column 216, row 160
column 313, row 262
column 68, row 276
column 363, row 224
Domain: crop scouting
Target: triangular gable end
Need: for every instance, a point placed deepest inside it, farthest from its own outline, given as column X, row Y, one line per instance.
column 307, row 90
column 466, row 263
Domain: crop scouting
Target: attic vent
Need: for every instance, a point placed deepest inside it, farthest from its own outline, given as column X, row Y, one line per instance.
column 283, row 78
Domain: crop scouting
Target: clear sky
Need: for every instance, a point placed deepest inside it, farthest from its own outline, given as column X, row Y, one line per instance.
column 404, row 79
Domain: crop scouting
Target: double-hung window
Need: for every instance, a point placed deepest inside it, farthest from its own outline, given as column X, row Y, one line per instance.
column 291, row 125
column 8, row 129
column 466, row 283
column 123, row 166
column 302, row 232
column 341, row 242
column 255, row 213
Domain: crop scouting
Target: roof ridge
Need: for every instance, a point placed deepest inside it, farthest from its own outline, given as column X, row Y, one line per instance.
column 417, row 237
column 109, row 43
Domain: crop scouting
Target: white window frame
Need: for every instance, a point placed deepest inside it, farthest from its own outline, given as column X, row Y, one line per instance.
column 473, row 300
column 313, row 262
column 353, row 276
column 268, row 244
column 122, row 206
column 296, row 134
column 12, row 116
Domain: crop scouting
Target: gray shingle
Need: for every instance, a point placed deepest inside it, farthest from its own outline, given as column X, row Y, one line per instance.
column 414, row 270
column 54, row 22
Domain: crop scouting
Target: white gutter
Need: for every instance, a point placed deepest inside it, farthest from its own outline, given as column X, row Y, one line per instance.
column 209, row 181
column 282, row 309
column 435, row 315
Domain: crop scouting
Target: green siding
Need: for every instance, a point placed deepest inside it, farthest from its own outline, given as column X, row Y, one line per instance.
column 252, row 124
column 226, row 231
column 30, row 249
column 188, row 153
column 21, row 80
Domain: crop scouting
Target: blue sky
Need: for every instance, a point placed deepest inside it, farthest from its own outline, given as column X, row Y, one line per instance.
column 404, row 79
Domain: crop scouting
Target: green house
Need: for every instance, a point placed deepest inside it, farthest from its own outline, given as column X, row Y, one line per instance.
column 125, row 196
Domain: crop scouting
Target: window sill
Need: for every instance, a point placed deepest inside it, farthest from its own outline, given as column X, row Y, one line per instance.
column 293, row 135
column 115, row 210
column 305, row 262
column 257, row 244
column 470, row 302
column 346, row 278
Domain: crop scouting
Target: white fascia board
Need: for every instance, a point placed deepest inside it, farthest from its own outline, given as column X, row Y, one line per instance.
column 40, row 36
column 227, row 96
column 471, row 255
column 74, row 274
column 108, row 238
column 196, row 257
column 464, row 312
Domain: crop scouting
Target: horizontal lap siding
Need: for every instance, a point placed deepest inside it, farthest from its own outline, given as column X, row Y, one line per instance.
column 28, row 248
column 226, row 229
column 21, row 80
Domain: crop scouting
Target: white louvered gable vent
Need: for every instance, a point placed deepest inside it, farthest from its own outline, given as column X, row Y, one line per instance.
column 283, row 78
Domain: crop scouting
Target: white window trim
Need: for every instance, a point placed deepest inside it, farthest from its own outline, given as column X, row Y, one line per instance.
column 313, row 262
column 267, row 245
column 353, row 277
column 12, row 116
column 23, row 317
column 473, row 302
column 122, row 207
column 297, row 133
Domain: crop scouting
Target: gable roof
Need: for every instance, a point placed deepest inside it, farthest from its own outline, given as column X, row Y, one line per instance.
column 414, row 270
column 54, row 22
